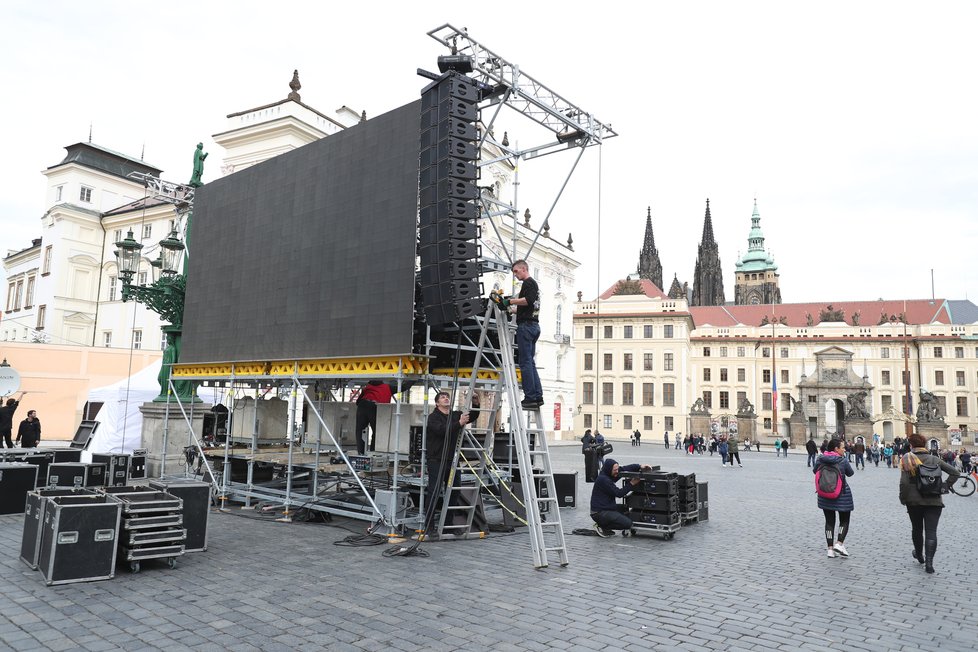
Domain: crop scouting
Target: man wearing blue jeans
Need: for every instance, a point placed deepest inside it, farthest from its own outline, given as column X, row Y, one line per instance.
column 527, row 333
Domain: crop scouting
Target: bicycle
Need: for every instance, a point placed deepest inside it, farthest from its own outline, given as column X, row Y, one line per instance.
column 965, row 484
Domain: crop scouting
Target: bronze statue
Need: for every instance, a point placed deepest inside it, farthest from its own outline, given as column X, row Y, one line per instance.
column 746, row 408
column 199, row 156
column 927, row 409
column 857, row 405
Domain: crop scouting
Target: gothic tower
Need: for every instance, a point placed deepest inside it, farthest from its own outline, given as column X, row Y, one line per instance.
column 756, row 274
column 708, row 276
column 649, row 266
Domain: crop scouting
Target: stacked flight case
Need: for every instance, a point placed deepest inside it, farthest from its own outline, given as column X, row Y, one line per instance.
column 75, row 474
column 16, row 479
column 117, row 468
column 688, row 507
column 151, row 525
column 196, row 496
column 654, row 504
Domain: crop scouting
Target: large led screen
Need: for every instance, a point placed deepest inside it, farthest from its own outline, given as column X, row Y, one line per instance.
column 309, row 254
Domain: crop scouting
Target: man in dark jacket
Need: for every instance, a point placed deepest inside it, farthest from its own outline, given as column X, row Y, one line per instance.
column 29, row 433
column 7, row 421
column 812, row 449
column 606, row 512
column 441, row 438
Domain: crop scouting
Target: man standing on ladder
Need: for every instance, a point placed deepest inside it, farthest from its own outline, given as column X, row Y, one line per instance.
column 527, row 333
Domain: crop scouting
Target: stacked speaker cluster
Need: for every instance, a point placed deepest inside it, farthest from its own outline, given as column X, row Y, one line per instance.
column 664, row 502
column 448, row 200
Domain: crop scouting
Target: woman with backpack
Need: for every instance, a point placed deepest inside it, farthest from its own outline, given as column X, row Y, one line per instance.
column 834, row 495
column 921, row 484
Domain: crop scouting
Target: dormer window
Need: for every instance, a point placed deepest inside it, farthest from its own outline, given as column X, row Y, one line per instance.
column 85, row 195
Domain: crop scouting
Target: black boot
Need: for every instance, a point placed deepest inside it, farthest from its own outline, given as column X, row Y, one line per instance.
column 918, row 556
column 930, row 547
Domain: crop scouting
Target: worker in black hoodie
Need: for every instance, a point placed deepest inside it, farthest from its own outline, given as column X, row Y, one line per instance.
column 606, row 512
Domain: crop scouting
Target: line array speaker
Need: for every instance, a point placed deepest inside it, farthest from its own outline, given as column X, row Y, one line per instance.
column 447, row 192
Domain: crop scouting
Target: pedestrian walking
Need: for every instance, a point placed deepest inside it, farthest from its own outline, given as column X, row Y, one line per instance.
column 733, row 450
column 840, row 506
column 812, row 449
column 859, row 448
column 724, row 448
column 758, row 444
column 888, row 454
column 965, row 458
column 666, row 438
column 678, row 440
column 922, row 499
column 599, row 444
column 638, row 437
column 777, row 448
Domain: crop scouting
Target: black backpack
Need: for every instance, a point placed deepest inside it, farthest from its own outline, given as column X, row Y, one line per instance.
column 929, row 480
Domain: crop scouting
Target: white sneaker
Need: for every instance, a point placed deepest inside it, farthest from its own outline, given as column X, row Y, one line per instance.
column 831, row 553
column 841, row 549
column 741, row 465
column 724, row 463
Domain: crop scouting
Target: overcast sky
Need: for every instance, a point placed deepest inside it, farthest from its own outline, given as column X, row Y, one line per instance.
column 853, row 123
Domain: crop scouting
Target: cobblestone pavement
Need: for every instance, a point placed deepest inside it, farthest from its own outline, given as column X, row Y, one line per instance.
column 754, row 577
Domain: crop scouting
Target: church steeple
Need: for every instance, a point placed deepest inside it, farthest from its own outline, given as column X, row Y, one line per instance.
column 756, row 275
column 649, row 266
column 708, row 276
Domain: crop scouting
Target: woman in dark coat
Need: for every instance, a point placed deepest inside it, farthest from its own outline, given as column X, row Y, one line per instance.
column 924, row 511
column 843, row 505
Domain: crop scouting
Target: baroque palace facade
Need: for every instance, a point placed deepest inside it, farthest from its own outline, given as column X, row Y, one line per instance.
column 653, row 362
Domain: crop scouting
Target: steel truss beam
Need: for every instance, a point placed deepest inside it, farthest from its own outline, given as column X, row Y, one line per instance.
column 520, row 91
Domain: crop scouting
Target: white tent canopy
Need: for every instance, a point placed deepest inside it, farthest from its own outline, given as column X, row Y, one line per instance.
column 120, row 421
column 120, row 428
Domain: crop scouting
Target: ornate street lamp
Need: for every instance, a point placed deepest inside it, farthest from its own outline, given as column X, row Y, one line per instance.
column 165, row 296
column 127, row 256
column 171, row 252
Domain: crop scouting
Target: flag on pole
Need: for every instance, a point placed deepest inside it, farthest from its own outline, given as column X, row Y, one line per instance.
column 774, row 391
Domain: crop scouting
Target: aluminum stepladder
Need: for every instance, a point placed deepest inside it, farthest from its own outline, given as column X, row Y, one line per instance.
column 462, row 514
column 545, row 536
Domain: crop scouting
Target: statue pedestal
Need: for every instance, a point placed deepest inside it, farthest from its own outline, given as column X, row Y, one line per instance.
column 167, row 423
column 934, row 430
column 747, row 428
column 699, row 424
column 798, row 429
column 859, row 428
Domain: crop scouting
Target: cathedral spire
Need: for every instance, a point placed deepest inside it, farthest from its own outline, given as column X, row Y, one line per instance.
column 708, row 225
column 756, row 275
column 649, row 266
column 708, row 275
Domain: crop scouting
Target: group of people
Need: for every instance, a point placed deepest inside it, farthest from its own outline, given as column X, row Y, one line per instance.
column 29, row 431
column 919, row 466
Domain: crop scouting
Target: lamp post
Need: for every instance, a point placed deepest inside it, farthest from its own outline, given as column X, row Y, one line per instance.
column 165, row 296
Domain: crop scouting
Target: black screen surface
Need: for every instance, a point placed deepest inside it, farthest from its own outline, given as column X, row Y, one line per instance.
column 310, row 254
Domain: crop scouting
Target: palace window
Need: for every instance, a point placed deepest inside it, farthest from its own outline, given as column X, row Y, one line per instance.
column 588, row 422
column 587, row 393
column 723, row 374
column 959, row 378
column 706, row 352
column 784, row 377
column 589, row 332
column 627, row 394
column 706, row 374
column 627, row 334
column 627, row 362
column 668, row 394
column 724, row 400
column 667, row 362
column 766, row 401
column 962, row 405
column 741, row 352
column 647, row 330
column 667, row 331
column 766, row 376
column 647, row 423
column 938, row 351
column 588, row 361
column 938, row 377
column 667, row 423
column 607, row 393
column 766, row 352
column 884, row 377
column 608, row 331
column 647, row 361
column 137, row 339
column 85, row 195
column 648, row 393
column 723, row 352
column 885, row 352
column 959, row 352
column 607, row 361
column 886, row 402
column 741, row 375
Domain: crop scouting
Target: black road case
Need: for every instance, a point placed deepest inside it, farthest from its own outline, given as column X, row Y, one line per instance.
column 76, row 474
column 149, row 530
column 117, row 468
column 67, row 454
column 30, row 544
column 196, row 497
column 137, row 464
column 16, row 479
column 78, row 541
